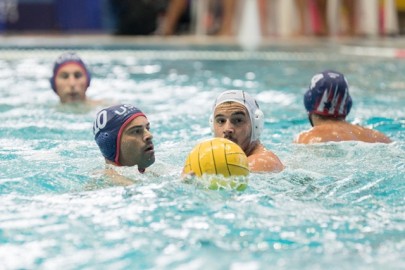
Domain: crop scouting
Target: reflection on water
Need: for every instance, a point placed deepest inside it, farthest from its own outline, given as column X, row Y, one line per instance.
column 335, row 204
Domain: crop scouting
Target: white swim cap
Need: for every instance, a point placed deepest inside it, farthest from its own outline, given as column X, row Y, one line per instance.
column 242, row 97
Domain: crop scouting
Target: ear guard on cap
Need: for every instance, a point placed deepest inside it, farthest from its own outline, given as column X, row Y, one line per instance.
column 211, row 122
column 258, row 124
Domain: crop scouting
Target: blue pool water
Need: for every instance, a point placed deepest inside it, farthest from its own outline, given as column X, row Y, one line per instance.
column 336, row 205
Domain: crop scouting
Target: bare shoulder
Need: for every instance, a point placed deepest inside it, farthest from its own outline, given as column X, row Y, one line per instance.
column 302, row 137
column 314, row 135
column 374, row 136
column 263, row 160
column 108, row 177
column 341, row 132
column 117, row 179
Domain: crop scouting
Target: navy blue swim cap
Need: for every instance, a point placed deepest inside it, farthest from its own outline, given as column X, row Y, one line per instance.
column 66, row 58
column 108, row 128
column 328, row 95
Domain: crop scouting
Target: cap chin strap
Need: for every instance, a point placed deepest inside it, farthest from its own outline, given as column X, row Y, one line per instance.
column 310, row 119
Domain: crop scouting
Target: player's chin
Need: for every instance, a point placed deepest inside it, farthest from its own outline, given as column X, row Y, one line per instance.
column 73, row 99
column 75, row 96
column 147, row 160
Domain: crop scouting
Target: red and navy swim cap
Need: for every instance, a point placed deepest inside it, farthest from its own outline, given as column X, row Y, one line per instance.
column 108, row 128
column 66, row 58
column 328, row 95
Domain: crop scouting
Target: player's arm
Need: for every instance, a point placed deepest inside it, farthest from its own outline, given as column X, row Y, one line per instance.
column 265, row 161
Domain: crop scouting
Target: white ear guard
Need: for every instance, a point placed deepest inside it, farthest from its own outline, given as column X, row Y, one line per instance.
column 258, row 124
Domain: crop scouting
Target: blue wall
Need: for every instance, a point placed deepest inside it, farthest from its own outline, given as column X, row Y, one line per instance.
column 61, row 16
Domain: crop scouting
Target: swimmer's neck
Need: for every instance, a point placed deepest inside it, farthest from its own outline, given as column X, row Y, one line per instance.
column 109, row 163
column 253, row 148
column 318, row 120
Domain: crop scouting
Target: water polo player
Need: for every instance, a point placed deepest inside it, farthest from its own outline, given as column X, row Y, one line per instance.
column 70, row 78
column 328, row 102
column 236, row 116
column 122, row 133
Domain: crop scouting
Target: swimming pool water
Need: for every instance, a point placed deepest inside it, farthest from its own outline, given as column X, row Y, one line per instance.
column 336, row 205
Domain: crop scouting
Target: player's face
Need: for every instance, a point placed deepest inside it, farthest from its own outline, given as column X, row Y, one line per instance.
column 232, row 121
column 136, row 146
column 71, row 83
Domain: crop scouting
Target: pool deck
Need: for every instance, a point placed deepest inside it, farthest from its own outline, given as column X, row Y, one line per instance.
column 391, row 47
column 105, row 39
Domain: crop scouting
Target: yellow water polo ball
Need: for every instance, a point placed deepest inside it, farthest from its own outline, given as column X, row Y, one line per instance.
column 220, row 157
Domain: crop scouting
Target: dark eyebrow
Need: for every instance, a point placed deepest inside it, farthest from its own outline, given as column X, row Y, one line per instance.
column 68, row 73
column 136, row 127
column 239, row 113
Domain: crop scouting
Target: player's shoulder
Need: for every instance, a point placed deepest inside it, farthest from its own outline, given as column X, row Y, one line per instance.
column 265, row 161
column 316, row 134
